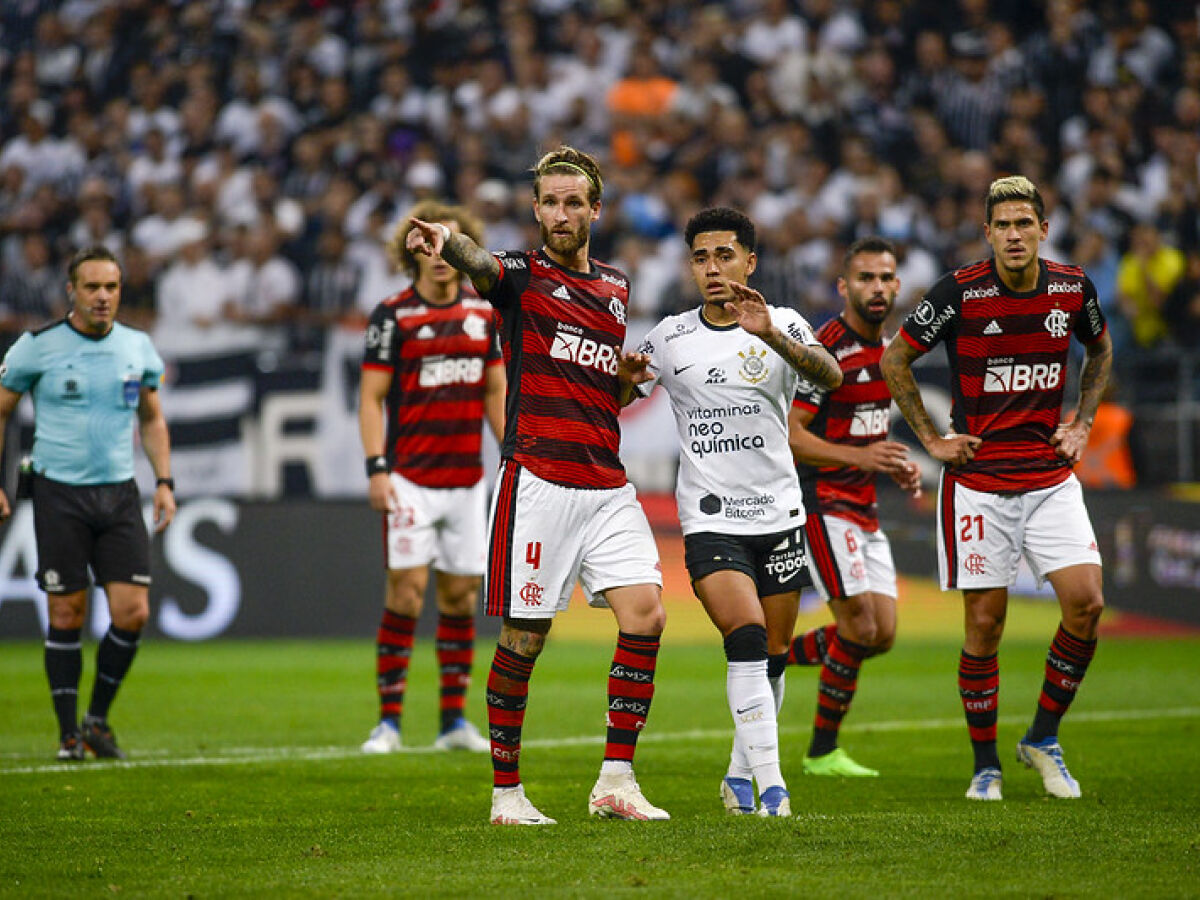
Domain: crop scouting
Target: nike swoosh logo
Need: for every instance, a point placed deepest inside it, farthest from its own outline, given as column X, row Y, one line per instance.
column 748, row 708
column 679, row 369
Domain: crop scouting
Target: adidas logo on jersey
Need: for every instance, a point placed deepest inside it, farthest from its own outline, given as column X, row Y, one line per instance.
column 561, row 292
column 424, row 333
column 863, row 375
column 993, row 327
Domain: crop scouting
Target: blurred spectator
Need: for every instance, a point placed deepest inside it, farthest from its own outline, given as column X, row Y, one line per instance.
column 1147, row 274
column 1182, row 307
column 265, row 287
column 330, row 290
column 193, row 293
column 32, row 293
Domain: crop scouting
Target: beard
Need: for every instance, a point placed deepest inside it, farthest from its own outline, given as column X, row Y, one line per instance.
column 565, row 244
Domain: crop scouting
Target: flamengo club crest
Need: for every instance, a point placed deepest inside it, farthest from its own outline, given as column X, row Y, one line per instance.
column 754, row 367
column 1057, row 323
column 617, row 308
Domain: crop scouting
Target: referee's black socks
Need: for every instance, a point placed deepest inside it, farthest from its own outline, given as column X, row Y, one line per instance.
column 64, row 664
column 113, row 659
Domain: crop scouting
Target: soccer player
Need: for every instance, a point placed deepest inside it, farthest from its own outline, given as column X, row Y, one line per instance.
column 839, row 441
column 431, row 374
column 731, row 368
column 1006, row 486
column 90, row 378
column 563, row 510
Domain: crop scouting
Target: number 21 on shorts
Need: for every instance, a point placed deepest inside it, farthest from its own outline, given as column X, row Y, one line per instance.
column 971, row 528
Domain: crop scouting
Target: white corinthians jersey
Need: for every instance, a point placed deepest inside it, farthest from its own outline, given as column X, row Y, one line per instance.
column 731, row 394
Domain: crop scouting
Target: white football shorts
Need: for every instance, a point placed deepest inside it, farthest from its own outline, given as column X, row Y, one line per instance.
column 443, row 526
column 845, row 560
column 545, row 537
column 981, row 537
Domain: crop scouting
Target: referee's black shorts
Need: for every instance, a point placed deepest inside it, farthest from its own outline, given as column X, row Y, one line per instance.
column 97, row 525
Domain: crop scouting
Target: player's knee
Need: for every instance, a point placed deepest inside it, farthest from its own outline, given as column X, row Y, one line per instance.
column 133, row 619
column 747, row 643
column 1089, row 607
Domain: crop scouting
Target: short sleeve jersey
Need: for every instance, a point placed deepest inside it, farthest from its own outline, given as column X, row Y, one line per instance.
column 855, row 414
column 1008, row 354
column 85, row 394
column 731, row 394
column 562, row 332
column 437, row 357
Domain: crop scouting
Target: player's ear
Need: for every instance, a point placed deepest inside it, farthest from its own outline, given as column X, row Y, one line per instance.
column 751, row 263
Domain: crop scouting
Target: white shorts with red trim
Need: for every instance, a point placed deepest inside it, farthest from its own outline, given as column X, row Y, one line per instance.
column 442, row 526
column 545, row 537
column 982, row 537
column 845, row 560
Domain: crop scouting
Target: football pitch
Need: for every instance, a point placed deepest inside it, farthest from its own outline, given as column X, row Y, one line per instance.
column 244, row 778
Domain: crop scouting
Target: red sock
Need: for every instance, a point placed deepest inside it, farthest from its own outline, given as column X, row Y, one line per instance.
column 455, row 654
column 630, row 690
column 507, row 694
column 394, row 644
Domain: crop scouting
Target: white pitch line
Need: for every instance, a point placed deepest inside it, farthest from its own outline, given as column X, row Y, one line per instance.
column 234, row 756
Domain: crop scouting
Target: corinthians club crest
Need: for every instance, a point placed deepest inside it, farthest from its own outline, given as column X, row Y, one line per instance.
column 754, row 366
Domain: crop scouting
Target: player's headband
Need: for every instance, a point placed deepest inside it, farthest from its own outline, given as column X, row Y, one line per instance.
column 593, row 181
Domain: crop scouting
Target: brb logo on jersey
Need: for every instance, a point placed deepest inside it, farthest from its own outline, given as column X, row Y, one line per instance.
column 1057, row 323
column 869, row 422
column 570, row 345
column 1003, row 376
column 439, row 371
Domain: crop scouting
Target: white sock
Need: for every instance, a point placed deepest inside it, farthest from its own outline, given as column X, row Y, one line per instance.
column 756, row 730
column 615, row 767
column 777, row 686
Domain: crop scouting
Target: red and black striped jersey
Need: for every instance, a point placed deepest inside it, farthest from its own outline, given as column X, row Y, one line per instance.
column 856, row 414
column 562, row 332
column 1008, row 355
column 437, row 356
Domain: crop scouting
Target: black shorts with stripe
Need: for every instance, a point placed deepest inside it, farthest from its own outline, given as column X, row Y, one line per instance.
column 96, row 525
column 776, row 562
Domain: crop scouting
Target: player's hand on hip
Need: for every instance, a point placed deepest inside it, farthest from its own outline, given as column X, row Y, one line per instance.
column 954, row 449
column 424, row 237
column 1070, row 439
column 750, row 309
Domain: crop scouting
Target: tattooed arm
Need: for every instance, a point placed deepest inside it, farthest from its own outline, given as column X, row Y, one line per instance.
column 434, row 238
column 812, row 361
column 1070, row 438
column 896, row 364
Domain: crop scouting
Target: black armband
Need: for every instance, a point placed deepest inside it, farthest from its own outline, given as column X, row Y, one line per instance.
column 376, row 465
column 168, row 481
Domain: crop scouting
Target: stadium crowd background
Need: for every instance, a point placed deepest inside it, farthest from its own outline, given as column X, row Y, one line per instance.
column 247, row 159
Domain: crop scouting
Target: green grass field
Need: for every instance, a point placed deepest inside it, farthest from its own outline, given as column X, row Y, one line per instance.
column 244, row 780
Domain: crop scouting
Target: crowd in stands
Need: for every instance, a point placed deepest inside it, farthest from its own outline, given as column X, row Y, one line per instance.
column 247, row 158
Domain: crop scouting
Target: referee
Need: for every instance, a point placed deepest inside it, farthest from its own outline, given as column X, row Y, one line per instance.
column 89, row 377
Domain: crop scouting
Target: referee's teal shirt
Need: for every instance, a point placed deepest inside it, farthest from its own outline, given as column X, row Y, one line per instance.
column 85, row 395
